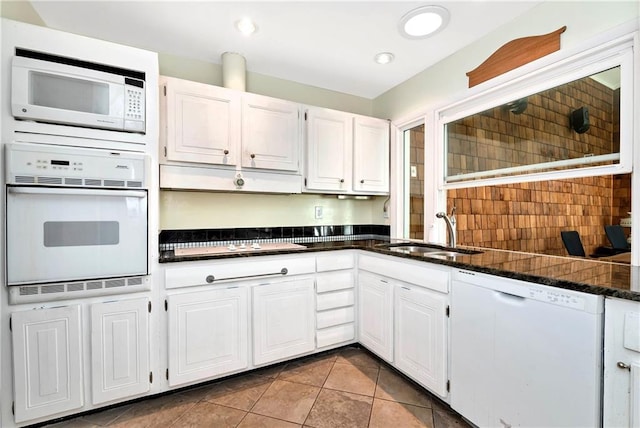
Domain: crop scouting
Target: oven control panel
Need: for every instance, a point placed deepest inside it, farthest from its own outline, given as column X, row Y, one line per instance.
column 28, row 163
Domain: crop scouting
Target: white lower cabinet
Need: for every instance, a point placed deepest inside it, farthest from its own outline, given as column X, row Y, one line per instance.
column 375, row 314
column 283, row 324
column 47, row 362
column 420, row 336
column 119, row 349
column 621, row 363
column 403, row 316
column 208, row 334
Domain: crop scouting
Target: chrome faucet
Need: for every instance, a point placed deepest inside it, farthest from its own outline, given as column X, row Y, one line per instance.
column 451, row 225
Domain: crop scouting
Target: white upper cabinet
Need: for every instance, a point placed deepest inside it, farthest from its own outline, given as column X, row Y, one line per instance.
column 270, row 133
column 329, row 156
column 200, row 123
column 370, row 155
column 346, row 153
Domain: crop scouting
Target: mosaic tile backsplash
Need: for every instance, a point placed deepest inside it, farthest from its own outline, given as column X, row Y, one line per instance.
column 185, row 238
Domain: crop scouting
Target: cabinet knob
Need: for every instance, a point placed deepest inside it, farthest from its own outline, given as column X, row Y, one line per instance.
column 361, row 181
column 226, row 152
column 253, row 156
column 342, row 180
column 623, row 366
column 210, row 279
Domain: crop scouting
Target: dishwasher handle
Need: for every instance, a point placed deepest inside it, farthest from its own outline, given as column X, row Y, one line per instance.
column 509, row 298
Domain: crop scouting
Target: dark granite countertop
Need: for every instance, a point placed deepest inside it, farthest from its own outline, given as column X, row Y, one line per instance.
column 585, row 275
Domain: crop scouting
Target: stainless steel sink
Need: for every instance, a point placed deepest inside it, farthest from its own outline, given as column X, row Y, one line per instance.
column 429, row 250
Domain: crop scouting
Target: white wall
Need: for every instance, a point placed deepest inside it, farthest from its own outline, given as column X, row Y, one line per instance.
column 210, row 73
column 447, row 80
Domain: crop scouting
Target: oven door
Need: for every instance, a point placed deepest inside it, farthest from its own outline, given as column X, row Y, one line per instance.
column 66, row 234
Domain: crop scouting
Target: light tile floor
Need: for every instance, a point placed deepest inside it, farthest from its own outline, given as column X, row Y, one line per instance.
column 344, row 388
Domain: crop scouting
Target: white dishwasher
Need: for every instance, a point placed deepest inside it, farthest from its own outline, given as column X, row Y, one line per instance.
column 523, row 354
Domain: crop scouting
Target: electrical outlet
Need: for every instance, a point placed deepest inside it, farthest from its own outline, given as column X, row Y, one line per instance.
column 414, row 171
column 318, row 212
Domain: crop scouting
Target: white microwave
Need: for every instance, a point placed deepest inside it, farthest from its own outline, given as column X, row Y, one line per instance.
column 53, row 89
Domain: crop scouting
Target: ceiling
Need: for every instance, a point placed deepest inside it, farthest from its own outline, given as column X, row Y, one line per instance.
column 325, row 44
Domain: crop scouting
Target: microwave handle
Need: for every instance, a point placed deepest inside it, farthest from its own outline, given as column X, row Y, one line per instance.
column 80, row 192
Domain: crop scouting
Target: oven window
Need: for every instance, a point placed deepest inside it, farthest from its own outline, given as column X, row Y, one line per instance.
column 78, row 233
column 67, row 93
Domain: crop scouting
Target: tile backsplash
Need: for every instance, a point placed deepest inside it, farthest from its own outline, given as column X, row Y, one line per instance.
column 170, row 239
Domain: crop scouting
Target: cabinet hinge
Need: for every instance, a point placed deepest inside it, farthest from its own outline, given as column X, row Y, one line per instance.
column 149, row 306
column 164, row 89
column 448, row 311
column 150, row 377
column 448, row 386
column 166, row 305
column 167, row 374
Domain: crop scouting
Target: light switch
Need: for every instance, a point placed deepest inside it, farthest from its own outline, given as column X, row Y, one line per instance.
column 414, row 171
column 318, row 212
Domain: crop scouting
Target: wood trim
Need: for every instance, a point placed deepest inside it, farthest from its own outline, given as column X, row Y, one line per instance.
column 515, row 54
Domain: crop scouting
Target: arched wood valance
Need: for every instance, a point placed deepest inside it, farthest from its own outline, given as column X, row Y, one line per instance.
column 515, row 54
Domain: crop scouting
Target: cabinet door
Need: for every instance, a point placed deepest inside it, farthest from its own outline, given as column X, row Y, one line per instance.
column 47, row 362
column 202, row 122
column 420, row 339
column 370, row 155
column 621, row 345
column 283, row 320
column 375, row 303
column 119, row 349
column 270, row 133
column 207, row 334
column 329, row 156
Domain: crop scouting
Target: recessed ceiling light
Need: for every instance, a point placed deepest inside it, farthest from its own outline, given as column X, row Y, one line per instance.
column 423, row 22
column 384, row 58
column 246, row 26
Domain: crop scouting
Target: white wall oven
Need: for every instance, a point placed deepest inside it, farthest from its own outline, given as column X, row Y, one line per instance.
column 76, row 218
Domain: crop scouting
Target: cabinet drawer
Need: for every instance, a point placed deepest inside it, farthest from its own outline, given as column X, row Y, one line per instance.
column 334, row 281
column 334, row 335
column 423, row 274
column 341, row 260
column 335, row 317
column 196, row 273
column 337, row 299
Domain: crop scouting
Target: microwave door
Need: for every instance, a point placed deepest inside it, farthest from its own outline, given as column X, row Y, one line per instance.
column 64, row 234
column 49, row 94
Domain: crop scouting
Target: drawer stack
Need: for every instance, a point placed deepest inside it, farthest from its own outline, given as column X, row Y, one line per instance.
column 335, row 299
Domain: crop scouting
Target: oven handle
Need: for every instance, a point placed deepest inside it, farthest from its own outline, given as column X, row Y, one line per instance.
column 81, row 192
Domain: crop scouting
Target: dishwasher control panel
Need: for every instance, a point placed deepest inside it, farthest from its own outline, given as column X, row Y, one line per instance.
column 572, row 299
column 558, row 297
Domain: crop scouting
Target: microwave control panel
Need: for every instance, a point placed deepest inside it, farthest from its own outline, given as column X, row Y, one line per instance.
column 134, row 105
